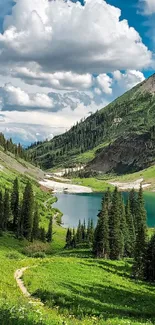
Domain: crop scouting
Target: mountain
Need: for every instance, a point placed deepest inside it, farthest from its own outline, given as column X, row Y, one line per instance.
column 120, row 128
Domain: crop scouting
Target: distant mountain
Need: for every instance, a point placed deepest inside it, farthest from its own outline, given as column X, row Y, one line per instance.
column 121, row 128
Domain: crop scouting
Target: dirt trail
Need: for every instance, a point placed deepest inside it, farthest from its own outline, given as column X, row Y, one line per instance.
column 18, row 275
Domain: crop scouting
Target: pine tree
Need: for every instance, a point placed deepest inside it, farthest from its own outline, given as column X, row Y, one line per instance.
column 130, row 237
column 101, row 234
column 15, row 203
column 141, row 237
column 6, row 210
column 1, row 211
column 49, row 232
column 123, row 224
column 27, row 211
column 90, row 232
column 68, row 238
column 79, row 233
column 73, row 244
column 149, row 263
column 133, row 207
column 116, row 241
column 42, row 235
column 35, row 228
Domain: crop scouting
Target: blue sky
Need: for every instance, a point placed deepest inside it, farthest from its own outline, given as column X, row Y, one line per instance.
column 59, row 60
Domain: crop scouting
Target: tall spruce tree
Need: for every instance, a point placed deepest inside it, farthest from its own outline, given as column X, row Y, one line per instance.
column 1, row 210
column 133, row 207
column 35, row 228
column 27, row 211
column 123, row 224
column 15, row 203
column 141, row 237
column 130, row 237
column 6, row 210
column 149, row 263
column 73, row 244
column 79, row 233
column 49, row 232
column 68, row 238
column 101, row 234
column 116, row 240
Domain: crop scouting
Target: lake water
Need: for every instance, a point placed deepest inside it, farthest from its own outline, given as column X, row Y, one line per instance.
column 86, row 206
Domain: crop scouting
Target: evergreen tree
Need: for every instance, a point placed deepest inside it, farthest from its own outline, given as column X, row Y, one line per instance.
column 15, row 203
column 133, row 207
column 90, row 232
column 35, row 228
column 1, row 211
column 79, row 233
column 141, row 237
column 49, row 232
column 130, row 236
column 42, row 234
column 68, row 238
column 116, row 240
column 73, row 244
column 123, row 224
column 27, row 211
column 101, row 234
column 6, row 210
column 149, row 263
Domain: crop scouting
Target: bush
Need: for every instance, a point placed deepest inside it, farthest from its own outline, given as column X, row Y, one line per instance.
column 13, row 256
column 37, row 248
column 39, row 255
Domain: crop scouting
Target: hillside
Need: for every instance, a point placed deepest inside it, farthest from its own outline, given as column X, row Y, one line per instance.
column 131, row 114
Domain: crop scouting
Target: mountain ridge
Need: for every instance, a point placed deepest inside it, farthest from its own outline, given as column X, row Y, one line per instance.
column 131, row 113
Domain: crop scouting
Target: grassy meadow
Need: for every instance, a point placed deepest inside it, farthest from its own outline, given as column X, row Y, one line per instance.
column 75, row 288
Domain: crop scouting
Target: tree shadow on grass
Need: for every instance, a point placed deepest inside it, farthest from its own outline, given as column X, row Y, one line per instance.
column 99, row 300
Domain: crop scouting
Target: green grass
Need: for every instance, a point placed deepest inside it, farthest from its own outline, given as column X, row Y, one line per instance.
column 92, row 291
column 96, row 185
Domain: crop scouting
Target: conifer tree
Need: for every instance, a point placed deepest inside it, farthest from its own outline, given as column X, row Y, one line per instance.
column 15, row 203
column 123, row 224
column 79, row 233
column 90, row 232
column 133, row 207
column 130, row 236
column 27, row 211
column 141, row 237
column 35, row 228
column 68, row 238
column 116, row 241
column 73, row 244
column 42, row 234
column 101, row 234
column 49, row 232
column 6, row 210
column 1, row 211
column 149, row 263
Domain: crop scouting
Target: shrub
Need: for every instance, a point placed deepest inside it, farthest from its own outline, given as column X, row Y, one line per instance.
column 36, row 248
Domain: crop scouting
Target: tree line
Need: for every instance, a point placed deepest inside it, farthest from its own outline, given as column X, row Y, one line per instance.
column 19, row 213
column 121, row 232
column 82, row 235
column 16, row 149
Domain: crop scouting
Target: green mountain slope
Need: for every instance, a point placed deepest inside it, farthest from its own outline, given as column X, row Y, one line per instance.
column 132, row 113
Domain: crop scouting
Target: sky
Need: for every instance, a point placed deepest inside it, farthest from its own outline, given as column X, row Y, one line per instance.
column 61, row 60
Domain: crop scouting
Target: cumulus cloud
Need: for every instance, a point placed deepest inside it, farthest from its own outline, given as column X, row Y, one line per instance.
column 65, row 36
column 148, row 6
column 57, row 80
column 15, row 98
column 125, row 81
column 104, row 82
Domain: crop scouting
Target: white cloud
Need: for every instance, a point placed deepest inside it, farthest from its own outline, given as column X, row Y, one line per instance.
column 57, row 80
column 148, row 6
column 65, row 36
column 127, row 80
column 105, row 83
column 11, row 96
